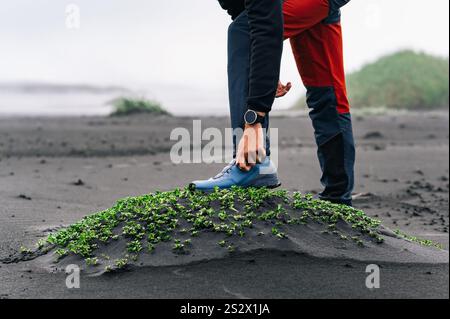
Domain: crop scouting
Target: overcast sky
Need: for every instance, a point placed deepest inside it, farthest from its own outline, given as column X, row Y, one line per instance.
column 182, row 43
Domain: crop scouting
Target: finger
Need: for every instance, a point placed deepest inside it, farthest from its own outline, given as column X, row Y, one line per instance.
column 241, row 156
column 283, row 94
column 242, row 162
column 261, row 155
column 283, row 91
column 288, row 87
column 251, row 157
column 244, row 167
column 251, row 164
column 280, row 90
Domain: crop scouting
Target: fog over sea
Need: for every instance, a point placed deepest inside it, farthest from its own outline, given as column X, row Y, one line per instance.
column 90, row 102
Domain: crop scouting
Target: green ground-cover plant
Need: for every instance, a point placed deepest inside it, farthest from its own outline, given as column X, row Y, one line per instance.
column 423, row 242
column 129, row 106
column 91, row 261
column 179, row 215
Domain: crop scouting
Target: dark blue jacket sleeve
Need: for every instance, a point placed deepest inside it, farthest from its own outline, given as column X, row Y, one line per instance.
column 266, row 32
column 233, row 7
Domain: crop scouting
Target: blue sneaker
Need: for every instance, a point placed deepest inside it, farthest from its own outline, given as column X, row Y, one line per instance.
column 262, row 175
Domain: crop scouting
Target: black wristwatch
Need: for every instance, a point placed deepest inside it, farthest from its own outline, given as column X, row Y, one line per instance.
column 252, row 117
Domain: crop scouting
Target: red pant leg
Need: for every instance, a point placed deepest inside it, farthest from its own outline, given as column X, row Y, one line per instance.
column 318, row 52
column 317, row 47
column 300, row 15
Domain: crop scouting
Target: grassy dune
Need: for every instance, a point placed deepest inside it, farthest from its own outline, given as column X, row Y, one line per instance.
column 175, row 219
column 129, row 106
column 404, row 80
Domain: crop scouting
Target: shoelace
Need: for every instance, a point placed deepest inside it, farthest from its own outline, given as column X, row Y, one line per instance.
column 226, row 170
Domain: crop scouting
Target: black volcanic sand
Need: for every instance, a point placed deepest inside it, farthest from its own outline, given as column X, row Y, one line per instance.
column 55, row 171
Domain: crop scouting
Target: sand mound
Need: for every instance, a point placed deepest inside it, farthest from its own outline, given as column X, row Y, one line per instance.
column 184, row 226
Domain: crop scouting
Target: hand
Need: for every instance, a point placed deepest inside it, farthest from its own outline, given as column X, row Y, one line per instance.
column 282, row 89
column 251, row 150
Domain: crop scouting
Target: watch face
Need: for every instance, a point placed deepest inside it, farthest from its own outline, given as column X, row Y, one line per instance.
column 251, row 117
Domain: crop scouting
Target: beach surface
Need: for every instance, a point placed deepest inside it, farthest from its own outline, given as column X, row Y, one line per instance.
column 55, row 171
